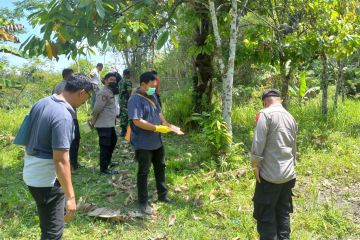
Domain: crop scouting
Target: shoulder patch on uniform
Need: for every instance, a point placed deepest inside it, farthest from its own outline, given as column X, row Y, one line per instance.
column 257, row 117
column 104, row 98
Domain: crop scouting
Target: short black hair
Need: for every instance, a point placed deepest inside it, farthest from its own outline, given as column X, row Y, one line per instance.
column 67, row 72
column 271, row 92
column 108, row 75
column 147, row 77
column 126, row 72
column 78, row 82
column 154, row 72
column 118, row 77
column 100, row 65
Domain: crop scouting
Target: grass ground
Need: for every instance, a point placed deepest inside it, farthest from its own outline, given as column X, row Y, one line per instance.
column 208, row 204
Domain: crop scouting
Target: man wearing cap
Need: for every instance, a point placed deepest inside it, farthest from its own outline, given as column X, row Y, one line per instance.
column 103, row 118
column 273, row 156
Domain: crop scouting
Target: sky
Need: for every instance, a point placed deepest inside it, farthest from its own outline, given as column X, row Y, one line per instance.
column 58, row 65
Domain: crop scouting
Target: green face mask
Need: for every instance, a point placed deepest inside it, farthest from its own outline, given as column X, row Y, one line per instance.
column 151, row 91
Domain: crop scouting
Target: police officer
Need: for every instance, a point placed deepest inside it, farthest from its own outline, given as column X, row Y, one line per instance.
column 125, row 88
column 103, row 118
column 147, row 124
column 273, row 156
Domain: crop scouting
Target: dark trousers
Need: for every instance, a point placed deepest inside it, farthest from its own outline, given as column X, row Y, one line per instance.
column 272, row 208
column 74, row 147
column 50, row 202
column 145, row 158
column 107, row 143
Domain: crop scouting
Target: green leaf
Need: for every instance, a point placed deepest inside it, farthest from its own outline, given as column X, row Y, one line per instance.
column 302, row 88
column 100, row 9
column 109, row 6
column 292, row 91
column 174, row 41
column 162, row 40
column 334, row 15
column 64, row 33
column 84, row 3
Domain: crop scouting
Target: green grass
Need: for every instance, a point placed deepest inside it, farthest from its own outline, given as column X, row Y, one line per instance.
column 329, row 151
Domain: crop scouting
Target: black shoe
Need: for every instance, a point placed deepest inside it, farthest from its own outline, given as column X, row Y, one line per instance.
column 109, row 171
column 166, row 200
column 114, row 164
column 145, row 208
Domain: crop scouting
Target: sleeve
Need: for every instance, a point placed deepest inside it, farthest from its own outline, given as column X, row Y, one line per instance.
column 62, row 133
column 259, row 140
column 294, row 150
column 101, row 100
column 135, row 108
column 92, row 73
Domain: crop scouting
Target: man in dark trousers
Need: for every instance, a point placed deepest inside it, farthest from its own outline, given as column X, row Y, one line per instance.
column 147, row 124
column 46, row 162
column 103, row 118
column 74, row 148
column 273, row 156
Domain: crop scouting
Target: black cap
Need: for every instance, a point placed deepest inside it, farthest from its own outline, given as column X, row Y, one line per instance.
column 271, row 92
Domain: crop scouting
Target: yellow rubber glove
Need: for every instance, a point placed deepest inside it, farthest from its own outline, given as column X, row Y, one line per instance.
column 162, row 129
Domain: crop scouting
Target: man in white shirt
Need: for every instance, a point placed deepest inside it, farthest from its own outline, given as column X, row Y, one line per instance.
column 96, row 81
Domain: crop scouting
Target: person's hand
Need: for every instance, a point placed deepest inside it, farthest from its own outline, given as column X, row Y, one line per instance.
column 70, row 209
column 162, row 129
column 257, row 174
column 166, row 124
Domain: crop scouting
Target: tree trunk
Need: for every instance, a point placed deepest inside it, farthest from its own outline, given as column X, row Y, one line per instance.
column 203, row 72
column 339, row 83
column 284, row 78
column 324, row 85
column 219, row 57
column 228, row 83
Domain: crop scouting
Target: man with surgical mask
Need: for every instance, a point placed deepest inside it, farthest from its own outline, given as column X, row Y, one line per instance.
column 103, row 119
column 147, row 123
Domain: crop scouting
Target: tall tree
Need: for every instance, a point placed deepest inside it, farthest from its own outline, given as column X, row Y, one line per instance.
column 227, row 71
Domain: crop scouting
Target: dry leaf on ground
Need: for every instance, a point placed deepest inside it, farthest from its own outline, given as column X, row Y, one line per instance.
column 160, row 236
column 172, row 219
column 197, row 201
column 196, row 218
column 109, row 194
column 83, row 206
column 212, row 195
column 113, row 215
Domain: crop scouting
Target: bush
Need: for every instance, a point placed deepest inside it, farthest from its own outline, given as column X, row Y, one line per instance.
column 177, row 107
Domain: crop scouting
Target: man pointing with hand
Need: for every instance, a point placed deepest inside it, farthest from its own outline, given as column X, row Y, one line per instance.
column 147, row 123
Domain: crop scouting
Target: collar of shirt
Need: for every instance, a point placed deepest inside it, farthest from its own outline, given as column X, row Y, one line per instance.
column 276, row 105
column 65, row 103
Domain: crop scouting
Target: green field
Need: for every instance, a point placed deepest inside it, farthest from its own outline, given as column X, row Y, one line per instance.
column 209, row 203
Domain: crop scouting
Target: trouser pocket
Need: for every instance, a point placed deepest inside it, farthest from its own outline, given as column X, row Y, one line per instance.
column 265, row 198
